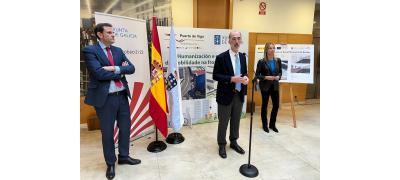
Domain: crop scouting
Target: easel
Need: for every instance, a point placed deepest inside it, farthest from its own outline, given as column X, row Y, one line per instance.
column 291, row 102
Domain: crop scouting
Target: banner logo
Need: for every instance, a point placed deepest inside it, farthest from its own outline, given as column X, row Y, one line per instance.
column 123, row 32
column 217, row 39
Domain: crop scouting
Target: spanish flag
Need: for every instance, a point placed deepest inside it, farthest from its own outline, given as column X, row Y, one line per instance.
column 158, row 108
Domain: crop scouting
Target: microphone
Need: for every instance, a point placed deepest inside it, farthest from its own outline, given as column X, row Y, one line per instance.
column 255, row 78
column 247, row 57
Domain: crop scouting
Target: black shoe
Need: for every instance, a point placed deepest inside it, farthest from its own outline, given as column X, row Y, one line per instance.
column 110, row 173
column 266, row 129
column 237, row 148
column 222, row 151
column 274, row 129
column 129, row 161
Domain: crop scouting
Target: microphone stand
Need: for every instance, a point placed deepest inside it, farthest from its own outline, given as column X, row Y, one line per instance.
column 249, row 170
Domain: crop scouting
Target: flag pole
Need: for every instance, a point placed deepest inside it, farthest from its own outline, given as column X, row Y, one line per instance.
column 156, row 146
column 175, row 137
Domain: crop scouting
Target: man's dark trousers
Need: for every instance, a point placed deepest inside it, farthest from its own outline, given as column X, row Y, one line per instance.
column 116, row 107
column 229, row 113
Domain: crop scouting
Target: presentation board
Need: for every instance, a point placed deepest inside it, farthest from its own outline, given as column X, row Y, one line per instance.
column 297, row 61
column 196, row 50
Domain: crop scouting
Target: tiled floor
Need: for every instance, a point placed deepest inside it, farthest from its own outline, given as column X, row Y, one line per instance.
column 293, row 153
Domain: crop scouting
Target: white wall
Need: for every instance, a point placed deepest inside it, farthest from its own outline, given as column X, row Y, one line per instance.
column 282, row 16
column 182, row 13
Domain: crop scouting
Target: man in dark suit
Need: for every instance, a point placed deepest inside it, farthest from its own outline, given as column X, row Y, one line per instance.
column 108, row 92
column 230, row 70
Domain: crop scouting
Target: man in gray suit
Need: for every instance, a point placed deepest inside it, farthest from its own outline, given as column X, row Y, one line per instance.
column 230, row 70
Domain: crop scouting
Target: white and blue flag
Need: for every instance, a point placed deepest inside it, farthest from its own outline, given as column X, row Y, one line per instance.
column 174, row 86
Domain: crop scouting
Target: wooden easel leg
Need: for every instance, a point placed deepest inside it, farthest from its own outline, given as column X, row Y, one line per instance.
column 280, row 96
column 292, row 104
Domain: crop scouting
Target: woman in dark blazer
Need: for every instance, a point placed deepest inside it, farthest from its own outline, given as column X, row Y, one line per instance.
column 268, row 73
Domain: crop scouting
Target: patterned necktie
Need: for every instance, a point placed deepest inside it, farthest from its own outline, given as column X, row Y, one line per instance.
column 238, row 86
column 118, row 83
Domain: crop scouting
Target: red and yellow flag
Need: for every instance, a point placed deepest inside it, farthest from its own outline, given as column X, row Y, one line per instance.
column 158, row 108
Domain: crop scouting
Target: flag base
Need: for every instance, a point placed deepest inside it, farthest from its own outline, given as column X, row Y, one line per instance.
column 175, row 138
column 156, row 146
column 248, row 170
